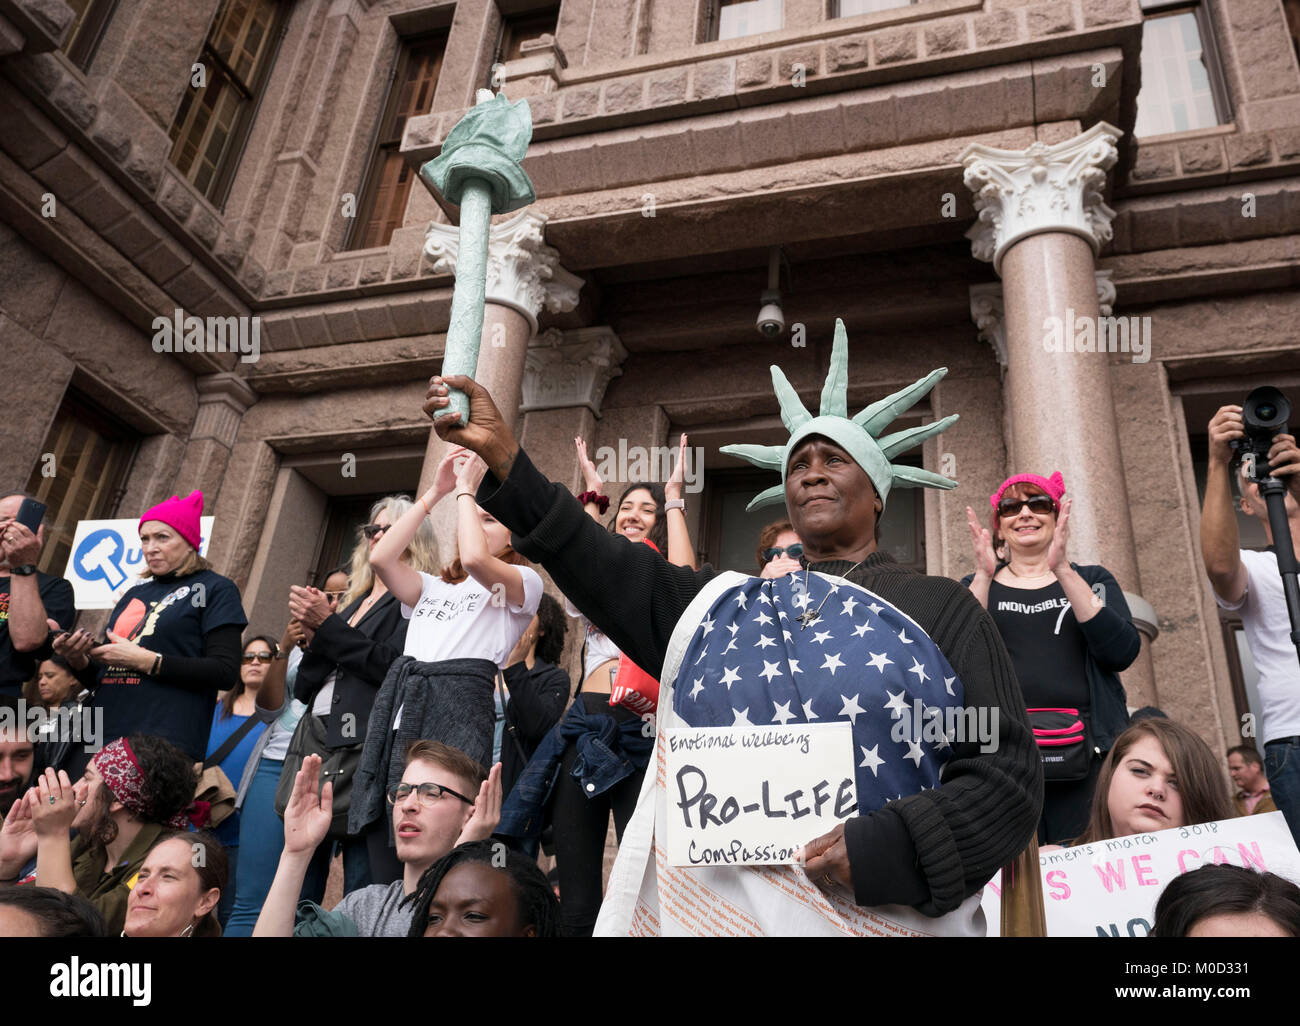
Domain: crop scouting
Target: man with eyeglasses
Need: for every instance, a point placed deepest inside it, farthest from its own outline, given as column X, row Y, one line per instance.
column 444, row 799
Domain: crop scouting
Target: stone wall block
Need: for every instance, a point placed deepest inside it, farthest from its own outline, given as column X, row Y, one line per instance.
column 1107, row 12
column 105, row 206
column 996, row 28
column 278, row 283
column 1248, row 150
column 544, row 109
column 713, row 80
column 1050, row 18
column 667, row 86
column 253, row 275
column 204, row 225
column 230, row 250
column 29, row 138
column 309, row 279
column 1201, row 156
column 581, row 102
column 69, row 173
column 787, row 61
column 190, row 288
column 893, row 47
column 625, row 95
column 72, row 98
column 342, row 274
column 848, row 53
column 374, row 269
column 947, row 37
column 176, row 198
column 111, row 138
column 1154, row 162
column 165, row 260
column 753, row 69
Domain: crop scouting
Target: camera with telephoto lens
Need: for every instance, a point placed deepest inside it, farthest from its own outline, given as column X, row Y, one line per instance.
column 1264, row 415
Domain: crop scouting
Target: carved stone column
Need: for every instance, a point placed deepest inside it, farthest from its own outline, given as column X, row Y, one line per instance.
column 223, row 400
column 1041, row 221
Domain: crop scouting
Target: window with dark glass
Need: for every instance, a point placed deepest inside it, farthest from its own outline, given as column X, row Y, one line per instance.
column 212, row 123
column 517, row 29
column 92, row 454
column 89, row 19
column 1182, row 82
column 388, row 179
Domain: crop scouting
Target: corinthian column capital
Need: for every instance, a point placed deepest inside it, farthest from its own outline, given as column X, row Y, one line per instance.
column 522, row 271
column 1040, row 189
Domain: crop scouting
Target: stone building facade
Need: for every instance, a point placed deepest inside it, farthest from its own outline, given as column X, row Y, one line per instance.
column 945, row 175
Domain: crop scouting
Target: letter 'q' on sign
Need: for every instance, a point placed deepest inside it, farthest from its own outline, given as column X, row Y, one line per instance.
column 753, row 795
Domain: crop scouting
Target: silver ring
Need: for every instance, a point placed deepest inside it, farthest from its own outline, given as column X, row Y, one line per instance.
column 81, row 804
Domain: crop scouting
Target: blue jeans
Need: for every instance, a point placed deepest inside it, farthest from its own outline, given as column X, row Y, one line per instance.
column 1282, row 767
column 261, row 839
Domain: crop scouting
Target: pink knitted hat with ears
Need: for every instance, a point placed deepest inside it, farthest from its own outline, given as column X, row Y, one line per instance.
column 181, row 514
column 1053, row 486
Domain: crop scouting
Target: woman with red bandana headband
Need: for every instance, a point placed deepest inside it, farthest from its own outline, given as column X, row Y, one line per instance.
column 174, row 640
column 1068, row 632
column 131, row 792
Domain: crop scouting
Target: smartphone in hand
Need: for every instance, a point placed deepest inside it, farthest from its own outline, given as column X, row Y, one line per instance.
column 30, row 514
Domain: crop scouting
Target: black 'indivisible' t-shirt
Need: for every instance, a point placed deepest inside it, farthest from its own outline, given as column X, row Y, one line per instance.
column 19, row 667
column 1045, row 643
column 168, row 615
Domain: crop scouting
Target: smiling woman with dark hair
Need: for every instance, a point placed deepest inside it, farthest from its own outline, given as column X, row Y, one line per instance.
column 178, row 887
column 934, row 848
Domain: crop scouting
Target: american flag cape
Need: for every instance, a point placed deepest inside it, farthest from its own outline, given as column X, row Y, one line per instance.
column 739, row 656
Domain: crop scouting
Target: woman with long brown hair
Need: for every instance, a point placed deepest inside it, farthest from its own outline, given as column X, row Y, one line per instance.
column 1158, row 775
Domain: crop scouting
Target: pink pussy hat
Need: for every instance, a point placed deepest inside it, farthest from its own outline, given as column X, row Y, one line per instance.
column 181, row 514
column 1053, row 486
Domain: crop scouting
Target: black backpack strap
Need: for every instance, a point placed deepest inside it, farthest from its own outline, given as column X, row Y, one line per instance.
column 232, row 742
column 510, row 727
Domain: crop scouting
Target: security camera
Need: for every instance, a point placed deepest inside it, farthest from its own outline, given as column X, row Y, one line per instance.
column 771, row 319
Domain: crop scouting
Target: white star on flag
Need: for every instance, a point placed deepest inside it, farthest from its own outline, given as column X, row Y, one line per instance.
column 947, row 683
column 764, row 641
column 914, row 752
column 742, row 718
column 820, row 637
column 769, row 671
column 860, row 631
column 801, row 600
column 708, row 626
column 876, row 607
column 848, row 606
column 919, row 670
column 808, row 714
column 740, row 597
column 730, row 645
column 897, row 702
column 902, row 636
column 879, row 660
column 730, row 677
column 832, row 663
column 699, row 686
column 783, row 714
column 764, row 598
column 871, row 759
column 763, row 618
column 851, row 707
column 794, row 666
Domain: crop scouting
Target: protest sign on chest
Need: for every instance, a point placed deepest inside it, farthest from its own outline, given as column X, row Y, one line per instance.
column 752, row 795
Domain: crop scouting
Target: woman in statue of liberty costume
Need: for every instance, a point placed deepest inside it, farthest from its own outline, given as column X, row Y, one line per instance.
column 854, row 638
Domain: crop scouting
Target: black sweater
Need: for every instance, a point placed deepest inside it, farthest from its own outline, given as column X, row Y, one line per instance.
column 929, row 850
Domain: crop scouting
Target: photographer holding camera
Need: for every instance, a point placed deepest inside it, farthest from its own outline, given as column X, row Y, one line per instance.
column 1250, row 582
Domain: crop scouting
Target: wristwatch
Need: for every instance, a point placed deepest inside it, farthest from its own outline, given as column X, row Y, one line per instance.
column 26, row 570
column 675, row 504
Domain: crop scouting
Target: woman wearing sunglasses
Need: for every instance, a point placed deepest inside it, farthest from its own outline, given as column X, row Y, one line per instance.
column 779, row 550
column 1068, row 632
column 238, row 721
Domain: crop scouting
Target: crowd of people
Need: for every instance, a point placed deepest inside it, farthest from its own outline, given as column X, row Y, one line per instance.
column 412, row 717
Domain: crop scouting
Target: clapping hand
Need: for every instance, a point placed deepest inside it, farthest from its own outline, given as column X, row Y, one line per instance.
column 673, row 486
column 590, row 476
column 17, row 838
column 1056, row 554
column 986, row 560
column 487, row 810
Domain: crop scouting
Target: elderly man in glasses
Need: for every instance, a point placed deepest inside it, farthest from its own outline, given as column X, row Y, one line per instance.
column 445, row 799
